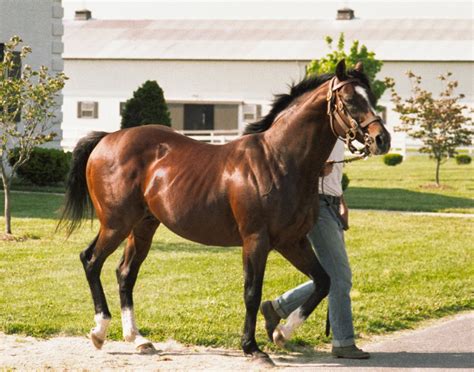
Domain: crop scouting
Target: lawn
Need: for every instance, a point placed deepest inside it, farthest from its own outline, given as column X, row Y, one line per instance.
column 406, row 269
column 409, row 186
column 405, row 187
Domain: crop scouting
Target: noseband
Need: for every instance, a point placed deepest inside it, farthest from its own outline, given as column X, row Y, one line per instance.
column 338, row 113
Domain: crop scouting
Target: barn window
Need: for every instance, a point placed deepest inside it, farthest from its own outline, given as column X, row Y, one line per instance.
column 88, row 110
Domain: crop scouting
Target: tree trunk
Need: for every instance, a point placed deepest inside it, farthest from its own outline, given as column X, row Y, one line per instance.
column 6, row 190
column 8, row 216
column 438, row 164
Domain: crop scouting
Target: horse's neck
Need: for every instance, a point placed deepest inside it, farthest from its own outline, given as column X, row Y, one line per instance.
column 302, row 137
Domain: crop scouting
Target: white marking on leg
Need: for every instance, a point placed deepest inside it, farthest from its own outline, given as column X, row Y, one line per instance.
column 364, row 95
column 294, row 321
column 129, row 327
column 102, row 323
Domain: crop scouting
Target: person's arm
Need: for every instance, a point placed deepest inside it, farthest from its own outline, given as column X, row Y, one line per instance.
column 344, row 211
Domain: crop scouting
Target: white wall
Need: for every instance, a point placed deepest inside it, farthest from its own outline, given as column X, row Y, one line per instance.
column 39, row 24
column 112, row 81
column 429, row 71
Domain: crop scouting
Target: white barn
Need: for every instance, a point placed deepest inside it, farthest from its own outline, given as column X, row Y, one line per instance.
column 219, row 74
column 39, row 24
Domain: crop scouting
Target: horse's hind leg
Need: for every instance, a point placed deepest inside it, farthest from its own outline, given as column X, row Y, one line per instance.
column 138, row 246
column 304, row 259
column 93, row 258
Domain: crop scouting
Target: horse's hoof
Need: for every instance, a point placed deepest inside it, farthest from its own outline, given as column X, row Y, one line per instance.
column 98, row 342
column 146, row 348
column 262, row 360
column 278, row 337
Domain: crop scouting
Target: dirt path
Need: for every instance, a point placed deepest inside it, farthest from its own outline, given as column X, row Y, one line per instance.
column 66, row 353
column 445, row 344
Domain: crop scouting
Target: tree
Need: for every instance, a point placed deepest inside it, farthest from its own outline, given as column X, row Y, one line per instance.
column 438, row 122
column 147, row 106
column 357, row 53
column 27, row 105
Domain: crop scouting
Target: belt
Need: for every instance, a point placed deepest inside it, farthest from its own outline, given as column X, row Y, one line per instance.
column 330, row 199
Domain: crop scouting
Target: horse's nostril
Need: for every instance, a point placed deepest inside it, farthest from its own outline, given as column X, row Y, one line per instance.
column 379, row 140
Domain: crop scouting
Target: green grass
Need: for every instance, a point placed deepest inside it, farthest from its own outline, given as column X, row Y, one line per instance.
column 406, row 269
column 409, row 186
column 374, row 185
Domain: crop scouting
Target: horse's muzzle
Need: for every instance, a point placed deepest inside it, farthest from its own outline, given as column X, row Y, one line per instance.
column 379, row 144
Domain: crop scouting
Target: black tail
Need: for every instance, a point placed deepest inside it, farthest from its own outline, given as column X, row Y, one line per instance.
column 77, row 202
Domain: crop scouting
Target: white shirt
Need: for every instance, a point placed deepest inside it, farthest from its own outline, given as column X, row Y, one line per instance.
column 331, row 184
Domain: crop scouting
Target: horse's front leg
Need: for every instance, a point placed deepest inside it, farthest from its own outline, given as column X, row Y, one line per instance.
column 304, row 259
column 255, row 253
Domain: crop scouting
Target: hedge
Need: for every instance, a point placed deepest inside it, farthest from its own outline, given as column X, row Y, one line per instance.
column 44, row 167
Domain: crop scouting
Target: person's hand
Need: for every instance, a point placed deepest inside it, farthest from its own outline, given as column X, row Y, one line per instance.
column 327, row 169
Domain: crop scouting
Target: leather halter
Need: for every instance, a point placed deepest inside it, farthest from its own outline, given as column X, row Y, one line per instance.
column 337, row 112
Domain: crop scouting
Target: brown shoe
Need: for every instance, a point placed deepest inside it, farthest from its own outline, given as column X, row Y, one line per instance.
column 271, row 318
column 349, row 352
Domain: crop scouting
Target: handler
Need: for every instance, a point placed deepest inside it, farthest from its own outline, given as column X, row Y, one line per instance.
column 327, row 239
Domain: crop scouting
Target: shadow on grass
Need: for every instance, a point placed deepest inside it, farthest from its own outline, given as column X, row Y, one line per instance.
column 404, row 200
column 36, row 205
column 189, row 247
column 44, row 205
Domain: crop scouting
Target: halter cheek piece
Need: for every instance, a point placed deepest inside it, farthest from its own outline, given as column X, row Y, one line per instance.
column 337, row 112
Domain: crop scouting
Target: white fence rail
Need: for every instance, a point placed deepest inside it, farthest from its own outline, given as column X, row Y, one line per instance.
column 218, row 136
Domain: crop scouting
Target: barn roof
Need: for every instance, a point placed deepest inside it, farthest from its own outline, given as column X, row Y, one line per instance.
column 390, row 39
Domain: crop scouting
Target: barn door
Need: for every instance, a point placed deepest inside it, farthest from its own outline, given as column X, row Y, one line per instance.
column 198, row 117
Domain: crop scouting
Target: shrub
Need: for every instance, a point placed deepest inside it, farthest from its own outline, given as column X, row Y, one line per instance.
column 147, row 106
column 345, row 181
column 463, row 159
column 392, row 159
column 44, row 167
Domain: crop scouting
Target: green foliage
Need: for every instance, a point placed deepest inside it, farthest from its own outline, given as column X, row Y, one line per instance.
column 30, row 95
column 439, row 122
column 345, row 181
column 463, row 159
column 392, row 159
column 357, row 53
column 44, row 166
column 147, row 106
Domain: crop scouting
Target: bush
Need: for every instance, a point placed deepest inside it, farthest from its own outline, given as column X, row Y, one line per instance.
column 463, row 159
column 392, row 159
column 345, row 181
column 44, row 167
column 147, row 106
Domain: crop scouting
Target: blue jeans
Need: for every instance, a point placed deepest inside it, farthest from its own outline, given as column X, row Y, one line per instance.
column 327, row 239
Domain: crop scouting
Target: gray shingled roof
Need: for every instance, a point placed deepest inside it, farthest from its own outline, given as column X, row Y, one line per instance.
column 391, row 39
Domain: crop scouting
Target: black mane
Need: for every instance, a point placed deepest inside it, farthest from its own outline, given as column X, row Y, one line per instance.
column 283, row 101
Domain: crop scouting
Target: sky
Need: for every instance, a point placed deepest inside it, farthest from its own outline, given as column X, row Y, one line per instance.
column 268, row 9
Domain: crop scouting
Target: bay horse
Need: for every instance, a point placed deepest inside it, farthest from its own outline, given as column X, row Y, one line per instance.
column 258, row 191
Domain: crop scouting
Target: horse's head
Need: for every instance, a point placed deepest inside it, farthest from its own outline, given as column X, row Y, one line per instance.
column 351, row 111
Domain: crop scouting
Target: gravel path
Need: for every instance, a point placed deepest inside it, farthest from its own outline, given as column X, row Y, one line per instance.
column 445, row 344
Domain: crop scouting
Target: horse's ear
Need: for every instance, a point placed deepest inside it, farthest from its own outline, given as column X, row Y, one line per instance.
column 341, row 70
column 359, row 67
